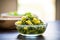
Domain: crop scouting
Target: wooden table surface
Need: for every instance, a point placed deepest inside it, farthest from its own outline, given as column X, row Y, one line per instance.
column 52, row 33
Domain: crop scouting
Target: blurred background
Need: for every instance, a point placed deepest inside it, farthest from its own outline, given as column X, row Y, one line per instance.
column 47, row 10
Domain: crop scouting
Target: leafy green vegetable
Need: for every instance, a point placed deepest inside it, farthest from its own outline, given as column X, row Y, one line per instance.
column 28, row 14
column 31, row 30
column 13, row 13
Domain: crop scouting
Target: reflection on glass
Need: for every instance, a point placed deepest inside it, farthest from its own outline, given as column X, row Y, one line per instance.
column 40, row 37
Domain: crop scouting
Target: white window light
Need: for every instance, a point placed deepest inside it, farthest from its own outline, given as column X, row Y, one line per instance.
column 45, row 9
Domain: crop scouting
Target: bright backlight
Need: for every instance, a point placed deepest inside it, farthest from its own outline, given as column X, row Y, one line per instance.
column 45, row 9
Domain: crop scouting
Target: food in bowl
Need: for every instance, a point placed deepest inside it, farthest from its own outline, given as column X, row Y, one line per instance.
column 30, row 25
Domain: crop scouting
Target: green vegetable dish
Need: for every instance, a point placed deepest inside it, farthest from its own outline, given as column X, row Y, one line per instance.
column 30, row 29
column 30, row 24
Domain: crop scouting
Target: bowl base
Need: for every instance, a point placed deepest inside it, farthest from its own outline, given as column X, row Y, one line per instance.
column 30, row 35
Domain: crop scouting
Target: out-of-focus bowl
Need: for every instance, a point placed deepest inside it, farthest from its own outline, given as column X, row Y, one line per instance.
column 31, row 30
column 8, row 22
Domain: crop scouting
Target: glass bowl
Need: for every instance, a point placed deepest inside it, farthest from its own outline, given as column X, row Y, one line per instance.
column 31, row 30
